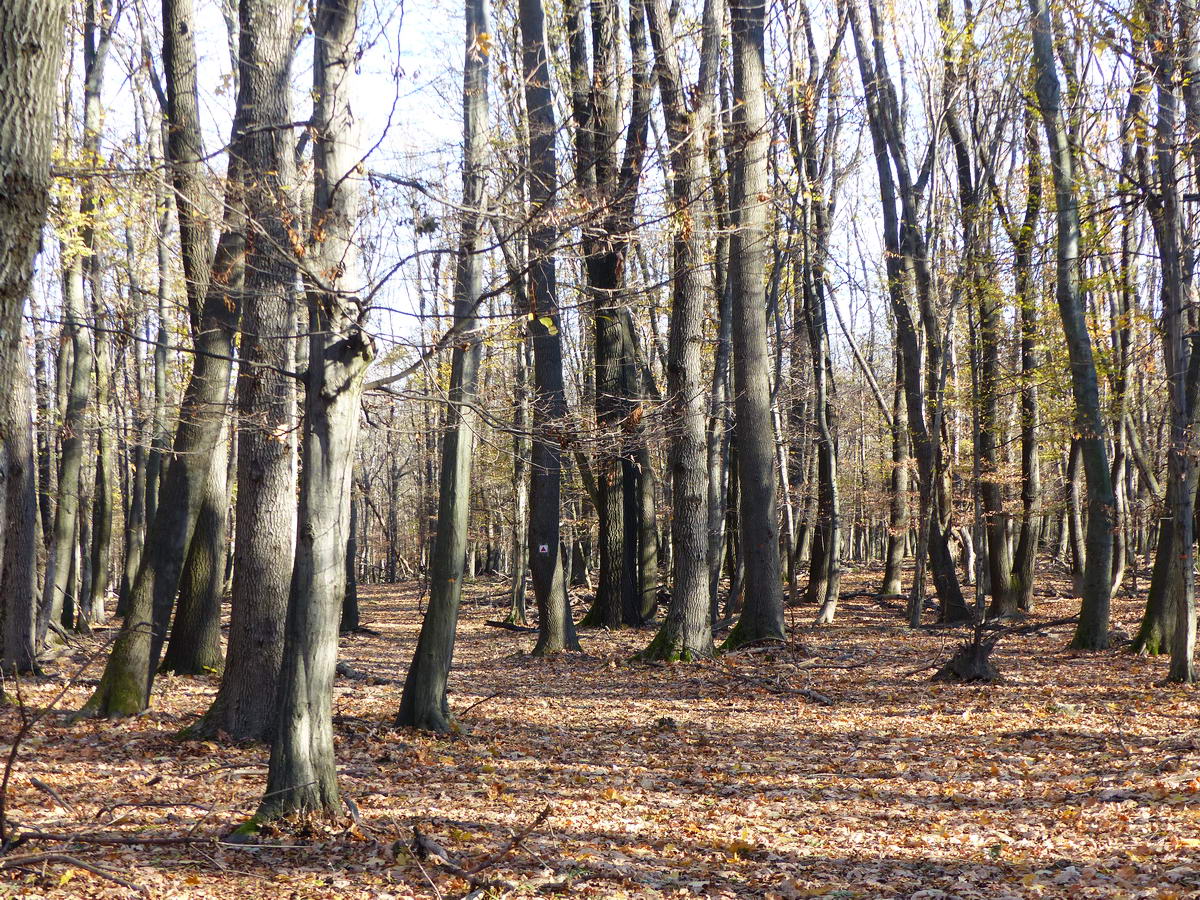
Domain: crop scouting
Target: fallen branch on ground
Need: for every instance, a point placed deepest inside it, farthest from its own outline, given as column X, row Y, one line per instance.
column 779, row 688
column 479, row 703
column 348, row 671
column 510, row 626
column 424, row 847
column 19, row 862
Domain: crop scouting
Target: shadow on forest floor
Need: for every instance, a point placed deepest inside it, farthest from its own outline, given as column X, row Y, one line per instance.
column 1077, row 776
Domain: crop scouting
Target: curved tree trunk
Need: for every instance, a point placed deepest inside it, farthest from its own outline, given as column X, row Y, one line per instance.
column 1092, row 632
column 424, row 702
column 124, row 687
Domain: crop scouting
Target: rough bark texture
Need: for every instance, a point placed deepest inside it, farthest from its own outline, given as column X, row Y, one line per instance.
column 19, row 508
column 265, row 515
column 556, row 629
column 31, row 42
column 124, row 687
column 302, row 776
column 686, row 633
column 195, row 644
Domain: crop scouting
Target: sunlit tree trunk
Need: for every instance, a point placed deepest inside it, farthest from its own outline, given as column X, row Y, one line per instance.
column 762, row 613
column 424, row 702
column 302, row 775
column 1092, row 632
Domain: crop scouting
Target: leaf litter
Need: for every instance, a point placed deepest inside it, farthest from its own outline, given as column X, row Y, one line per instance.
column 1076, row 776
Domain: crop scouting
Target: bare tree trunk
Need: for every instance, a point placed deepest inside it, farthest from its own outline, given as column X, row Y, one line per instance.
column 195, row 644
column 686, row 633
column 893, row 577
column 302, row 775
column 762, row 614
column 1092, row 632
column 1031, row 479
column 92, row 606
column 18, row 503
column 265, row 515
column 31, row 42
column 556, row 629
column 424, row 702
column 124, row 687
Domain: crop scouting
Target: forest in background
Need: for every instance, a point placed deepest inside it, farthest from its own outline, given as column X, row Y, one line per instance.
column 715, row 315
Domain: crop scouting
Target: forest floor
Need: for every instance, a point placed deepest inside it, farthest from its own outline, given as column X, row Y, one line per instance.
column 1077, row 776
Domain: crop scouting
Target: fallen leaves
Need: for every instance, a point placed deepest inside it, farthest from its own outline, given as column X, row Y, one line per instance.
column 1076, row 778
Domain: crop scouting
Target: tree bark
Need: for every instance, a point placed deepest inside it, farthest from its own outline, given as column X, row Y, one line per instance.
column 124, row 687
column 686, row 633
column 1092, row 631
column 302, row 775
column 424, row 702
column 195, row 644
column 762, row 613
column 265, row 515
column 556, row 629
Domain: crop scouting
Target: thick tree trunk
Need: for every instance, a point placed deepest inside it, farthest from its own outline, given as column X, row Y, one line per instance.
column 31, row 41
column 265, row 514
column 18, row 515
column 762, row 614
column 195, row 644
column 686, row 633
column 302, row 775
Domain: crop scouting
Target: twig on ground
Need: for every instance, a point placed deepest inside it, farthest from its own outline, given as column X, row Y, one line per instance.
column 480, row 703
column 814, row 696
column 925, row 668
column 55, row 795
column 423, row 845
column 512, row 844
column 14, row 862
column 27, row 723
column 510, row 626
column 221, row 766
column 109, row 839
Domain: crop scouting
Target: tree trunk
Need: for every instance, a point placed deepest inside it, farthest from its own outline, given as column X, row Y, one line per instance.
column 686, row 633
column 893, row 571
column 265, row 515
column 302, row 775
column 762, row 614
column 1025, row 560
column 195, row 644
column 424, row 702
column 124, row 687
column 556, row 630
column 350, row 621
column 1092, row 632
